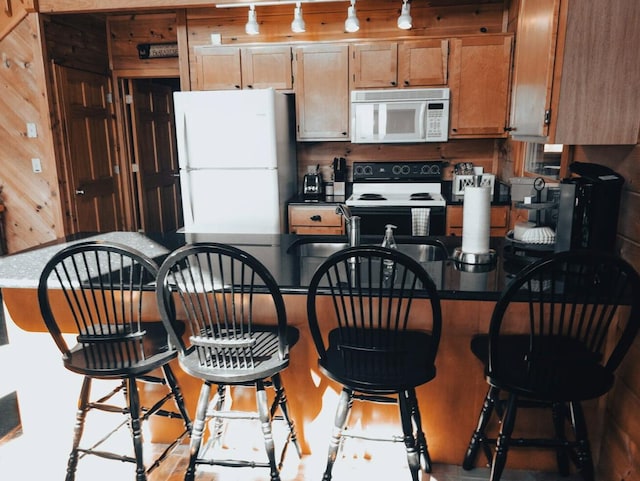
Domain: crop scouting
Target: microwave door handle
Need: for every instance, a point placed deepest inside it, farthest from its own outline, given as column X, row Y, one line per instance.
column 382, row 121
column 422, row 119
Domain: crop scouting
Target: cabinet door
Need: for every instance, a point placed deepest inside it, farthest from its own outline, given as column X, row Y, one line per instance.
column 218, row 68
column 533, row 68
column 479, row 85
column 264, row 67
column 423, row 62
column 322, row 92
column 373, row 65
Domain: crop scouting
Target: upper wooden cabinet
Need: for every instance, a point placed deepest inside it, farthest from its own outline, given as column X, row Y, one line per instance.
column 479, row 83
column 228, row 68
column 411, row 63
column 576, row 73
column 422, row 63
column 322, row 91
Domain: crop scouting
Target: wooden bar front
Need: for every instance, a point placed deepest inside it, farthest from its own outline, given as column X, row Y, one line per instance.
column 449, row 405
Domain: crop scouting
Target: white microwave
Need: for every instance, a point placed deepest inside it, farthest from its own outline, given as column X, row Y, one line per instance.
column 400, row 115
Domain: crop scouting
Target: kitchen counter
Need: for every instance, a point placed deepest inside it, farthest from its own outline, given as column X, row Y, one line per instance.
column 455, row 394
column 279, row 253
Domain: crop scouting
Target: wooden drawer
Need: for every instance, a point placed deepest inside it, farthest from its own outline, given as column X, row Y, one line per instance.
column 315, row 219
column 499, row 220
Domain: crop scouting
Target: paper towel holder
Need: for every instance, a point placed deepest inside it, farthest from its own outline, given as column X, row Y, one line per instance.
column 474, row 258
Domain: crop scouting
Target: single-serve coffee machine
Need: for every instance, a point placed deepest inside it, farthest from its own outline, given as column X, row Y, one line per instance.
column 588, row 208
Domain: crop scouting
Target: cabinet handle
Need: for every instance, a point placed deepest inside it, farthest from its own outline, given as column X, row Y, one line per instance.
column 237, row 86
column 316, row 218
column 407, row 83
column 393, row 83
column 510, row 129
column 249, row 86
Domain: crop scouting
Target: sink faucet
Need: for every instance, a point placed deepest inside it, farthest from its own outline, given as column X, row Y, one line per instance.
column 352, row 222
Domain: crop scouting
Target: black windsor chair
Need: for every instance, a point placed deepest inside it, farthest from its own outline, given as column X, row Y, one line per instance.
column 375, row 318
column 101, row 291
column 557, row 334
column 237, row 335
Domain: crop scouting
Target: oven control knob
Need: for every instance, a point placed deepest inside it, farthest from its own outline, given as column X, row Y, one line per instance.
column 395, row 169
column 406, row 169
column 368, row 170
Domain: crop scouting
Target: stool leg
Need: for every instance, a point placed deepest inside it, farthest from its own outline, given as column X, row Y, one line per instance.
column 81, row 415
column 413, row 456
column 342, row 413
column 284, row 407
column 562, row 457
column 219, row 400
column 477, row 439
column 133, row 401
column 198, row 430
column 177, row 395
column 265, row 422
column 421, row 439
column 504, row 437
column 585, row 461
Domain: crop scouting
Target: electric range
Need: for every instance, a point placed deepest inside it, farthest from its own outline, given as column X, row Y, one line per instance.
column 403, row 193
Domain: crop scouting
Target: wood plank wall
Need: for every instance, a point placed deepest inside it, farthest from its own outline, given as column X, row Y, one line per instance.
column 32, row 200
column 620, row 443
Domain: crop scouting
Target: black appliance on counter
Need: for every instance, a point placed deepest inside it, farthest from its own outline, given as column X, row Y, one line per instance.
column 588, row 208
column 395, row 193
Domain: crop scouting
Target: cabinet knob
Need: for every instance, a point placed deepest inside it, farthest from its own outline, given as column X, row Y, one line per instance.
column 237, row 86
column 393, row 83
column 249, row 86
column 407, row 83
column 315, row 218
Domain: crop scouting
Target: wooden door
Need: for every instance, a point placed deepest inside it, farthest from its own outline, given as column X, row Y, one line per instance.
column 322, row 92
column 479, row 82
column 156, row 156
column 89, row 151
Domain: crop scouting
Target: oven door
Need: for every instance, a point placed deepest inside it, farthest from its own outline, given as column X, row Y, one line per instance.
column 374, row 219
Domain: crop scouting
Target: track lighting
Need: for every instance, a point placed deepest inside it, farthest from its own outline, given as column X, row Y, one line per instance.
column 252, row 27
column 404, row 20
column 298, row 26
column 352, row 24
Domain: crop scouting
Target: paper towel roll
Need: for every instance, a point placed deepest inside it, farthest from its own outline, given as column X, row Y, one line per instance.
column 476, row 220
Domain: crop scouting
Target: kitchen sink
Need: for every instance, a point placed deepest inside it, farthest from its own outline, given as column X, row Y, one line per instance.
column 324, row 246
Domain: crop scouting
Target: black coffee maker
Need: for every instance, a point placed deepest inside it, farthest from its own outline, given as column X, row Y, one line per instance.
column 588, row 209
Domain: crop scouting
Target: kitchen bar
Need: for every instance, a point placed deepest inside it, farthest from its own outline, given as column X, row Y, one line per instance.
column 448, row 404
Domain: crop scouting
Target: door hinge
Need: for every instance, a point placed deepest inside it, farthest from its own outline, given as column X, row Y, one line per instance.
column 128, row 99
column 547, row 117
column 109, row 98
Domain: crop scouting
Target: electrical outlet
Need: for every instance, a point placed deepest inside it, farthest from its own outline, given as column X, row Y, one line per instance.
column 36, row 165
column 32, row 131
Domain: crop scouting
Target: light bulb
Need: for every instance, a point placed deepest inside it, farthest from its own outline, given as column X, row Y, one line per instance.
column 352, row 24
column 252, row 27
column 404, row 20
column 298, row 26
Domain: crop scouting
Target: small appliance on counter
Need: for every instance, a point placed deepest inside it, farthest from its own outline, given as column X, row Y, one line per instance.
column 312, row 186
column 339, row 176
column 589, row 208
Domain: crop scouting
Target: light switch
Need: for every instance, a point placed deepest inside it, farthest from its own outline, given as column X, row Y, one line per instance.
column 36, row 165
column 32, row 131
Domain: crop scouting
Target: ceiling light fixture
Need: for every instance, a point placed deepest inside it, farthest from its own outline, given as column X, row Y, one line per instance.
column 298, row 26
column 252, row 27
column 352, row 24
column 405, row 20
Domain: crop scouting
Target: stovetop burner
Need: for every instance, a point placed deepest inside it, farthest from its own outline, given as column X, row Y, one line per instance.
column 369, row 196
column 421, row 196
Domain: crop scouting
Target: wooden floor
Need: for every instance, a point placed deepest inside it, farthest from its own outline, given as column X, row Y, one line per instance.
column 47, row 395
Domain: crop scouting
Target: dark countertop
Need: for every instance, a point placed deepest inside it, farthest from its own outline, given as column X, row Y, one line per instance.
column 291, row 269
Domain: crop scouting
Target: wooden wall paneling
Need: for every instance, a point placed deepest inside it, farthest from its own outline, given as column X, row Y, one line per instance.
column 482, row 152
column 33, row 214
column 183, row 49
column 126, row 32
column 77, row 41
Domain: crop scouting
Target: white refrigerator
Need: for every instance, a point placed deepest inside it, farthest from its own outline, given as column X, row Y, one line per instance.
column 237, row 158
